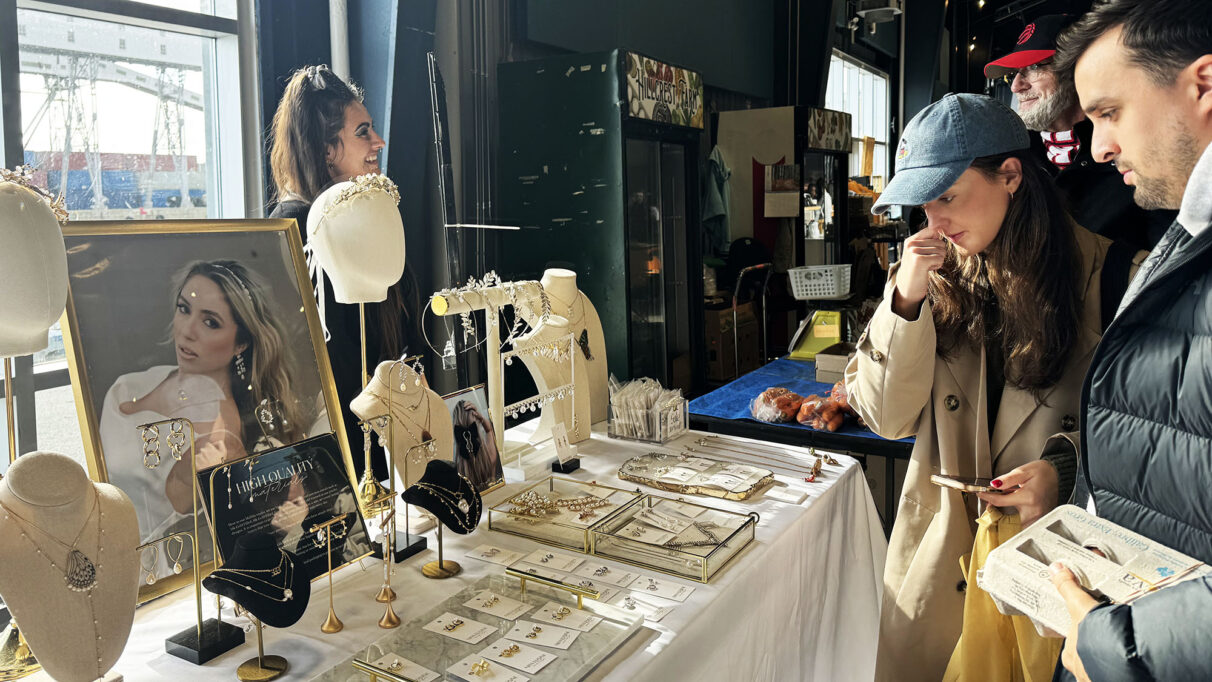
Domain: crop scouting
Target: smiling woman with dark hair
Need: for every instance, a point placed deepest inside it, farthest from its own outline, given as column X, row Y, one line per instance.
column 323, row 134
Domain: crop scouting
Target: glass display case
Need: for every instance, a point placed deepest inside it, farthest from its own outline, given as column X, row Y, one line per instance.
column 439, row 653
column 696, row 551
column 549, row 512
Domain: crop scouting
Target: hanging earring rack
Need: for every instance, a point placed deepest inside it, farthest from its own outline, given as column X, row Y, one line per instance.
column 325, row 532
column 211, row 637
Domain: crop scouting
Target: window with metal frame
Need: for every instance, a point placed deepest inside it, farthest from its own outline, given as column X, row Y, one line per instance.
column 132, row 110
column 862, row 92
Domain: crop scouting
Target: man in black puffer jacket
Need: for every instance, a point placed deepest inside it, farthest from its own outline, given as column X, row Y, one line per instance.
column 1143, row 70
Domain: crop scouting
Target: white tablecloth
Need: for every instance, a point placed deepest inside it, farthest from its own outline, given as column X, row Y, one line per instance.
column 801, row 603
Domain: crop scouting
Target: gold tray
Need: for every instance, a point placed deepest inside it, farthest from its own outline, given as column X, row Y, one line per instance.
column 634, row 470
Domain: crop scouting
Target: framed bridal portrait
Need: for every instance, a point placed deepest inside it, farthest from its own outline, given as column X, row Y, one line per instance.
column 475, row 447
column 206, row 320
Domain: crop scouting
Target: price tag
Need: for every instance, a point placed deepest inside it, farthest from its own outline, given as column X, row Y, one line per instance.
column 565, row 451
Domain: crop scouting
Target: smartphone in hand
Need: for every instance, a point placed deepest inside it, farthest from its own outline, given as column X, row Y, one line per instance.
column 968, row 484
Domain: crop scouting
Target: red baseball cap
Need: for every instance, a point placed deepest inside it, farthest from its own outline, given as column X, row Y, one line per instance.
column 1036, row 43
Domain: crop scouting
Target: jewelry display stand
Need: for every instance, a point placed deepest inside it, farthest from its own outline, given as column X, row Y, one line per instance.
column 491, row 298
column 387, row 524
column 441, row 569
column 325, row 532
column 262, row 668
column 210, row 637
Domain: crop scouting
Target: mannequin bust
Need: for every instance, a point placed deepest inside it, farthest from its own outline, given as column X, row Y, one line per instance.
column 448, row 495
column 418, row 416
column 76, row 632
column 262, row 577
column 589, row 356
column 34, row 264
column 355, row 232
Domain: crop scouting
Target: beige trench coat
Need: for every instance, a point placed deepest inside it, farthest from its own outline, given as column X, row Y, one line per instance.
column 902, row 388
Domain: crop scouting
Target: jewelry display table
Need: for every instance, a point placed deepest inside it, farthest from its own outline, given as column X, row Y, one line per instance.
column 801, row 602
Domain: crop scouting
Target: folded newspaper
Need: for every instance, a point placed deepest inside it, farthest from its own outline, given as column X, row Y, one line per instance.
column 1016, row 574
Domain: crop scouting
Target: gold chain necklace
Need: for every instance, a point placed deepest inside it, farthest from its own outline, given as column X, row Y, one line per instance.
column 80, row 573
column 453, row 502
column 283, row 567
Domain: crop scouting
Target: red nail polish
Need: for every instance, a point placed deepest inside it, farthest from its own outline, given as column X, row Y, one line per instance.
column 996, row 483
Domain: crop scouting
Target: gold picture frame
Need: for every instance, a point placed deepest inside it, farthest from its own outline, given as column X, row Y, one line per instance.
column 123, row 331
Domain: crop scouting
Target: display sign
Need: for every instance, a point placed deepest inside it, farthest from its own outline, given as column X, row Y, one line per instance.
column 663, row 93
column 284, row 493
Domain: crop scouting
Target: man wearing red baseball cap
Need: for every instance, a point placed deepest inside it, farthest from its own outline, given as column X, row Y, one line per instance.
column 1095, row 195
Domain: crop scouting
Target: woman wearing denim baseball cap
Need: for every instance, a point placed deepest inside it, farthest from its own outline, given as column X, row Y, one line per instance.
column 978, row 349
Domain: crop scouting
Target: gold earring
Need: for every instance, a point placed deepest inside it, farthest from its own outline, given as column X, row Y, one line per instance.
column 151, row 572
column 180, row 550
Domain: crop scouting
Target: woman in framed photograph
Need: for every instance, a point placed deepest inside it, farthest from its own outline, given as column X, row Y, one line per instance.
column 230, row 380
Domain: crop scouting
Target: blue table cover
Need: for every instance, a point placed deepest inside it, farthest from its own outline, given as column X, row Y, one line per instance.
column 731, row 401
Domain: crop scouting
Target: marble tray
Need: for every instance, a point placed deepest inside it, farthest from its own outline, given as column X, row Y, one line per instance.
column 438, row 653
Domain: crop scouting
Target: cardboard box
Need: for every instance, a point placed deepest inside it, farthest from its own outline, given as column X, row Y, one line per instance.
column 829, row 377
column 719, row 320
column 1016, row 573
column 721, row 357
column 831, row 362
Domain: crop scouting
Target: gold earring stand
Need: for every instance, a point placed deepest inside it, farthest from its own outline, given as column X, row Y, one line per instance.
column 16, row 660
column 331, row 623
column 440, row 570
column 262, row 668
column 210, row 637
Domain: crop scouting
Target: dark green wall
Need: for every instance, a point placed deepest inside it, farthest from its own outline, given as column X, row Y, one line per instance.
column 728, row 41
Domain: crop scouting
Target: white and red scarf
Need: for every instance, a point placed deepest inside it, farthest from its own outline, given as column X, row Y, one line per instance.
column 1062, row 147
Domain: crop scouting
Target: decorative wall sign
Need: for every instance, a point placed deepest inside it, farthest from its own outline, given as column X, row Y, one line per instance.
column 659, row 92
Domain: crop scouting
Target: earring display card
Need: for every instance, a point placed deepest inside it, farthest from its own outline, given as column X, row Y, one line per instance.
column 398, row 665
column 553, row 560
column 496, row 605
column 646, row 533
column 462, row 628
column 652, row 608
column 606, row 574
column 555, row 613
column 543, row 634
column 662, row 588
column 493, row 671
column 690, row 511
column 515, row 655
column 496, row 555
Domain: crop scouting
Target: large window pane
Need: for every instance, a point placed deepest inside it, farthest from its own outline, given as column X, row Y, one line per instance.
column 862, row 93
column 115, row 117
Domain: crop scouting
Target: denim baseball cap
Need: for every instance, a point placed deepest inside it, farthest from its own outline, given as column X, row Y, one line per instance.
column 943, row 140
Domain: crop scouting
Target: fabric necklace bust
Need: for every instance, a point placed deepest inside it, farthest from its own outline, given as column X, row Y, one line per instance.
column 264, row 579
column 447, row 494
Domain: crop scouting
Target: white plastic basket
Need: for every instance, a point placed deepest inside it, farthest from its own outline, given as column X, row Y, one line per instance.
column 820, row 281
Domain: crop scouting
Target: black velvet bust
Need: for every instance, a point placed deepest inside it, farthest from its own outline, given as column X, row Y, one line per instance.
column 448, row 495
column 264, row 600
